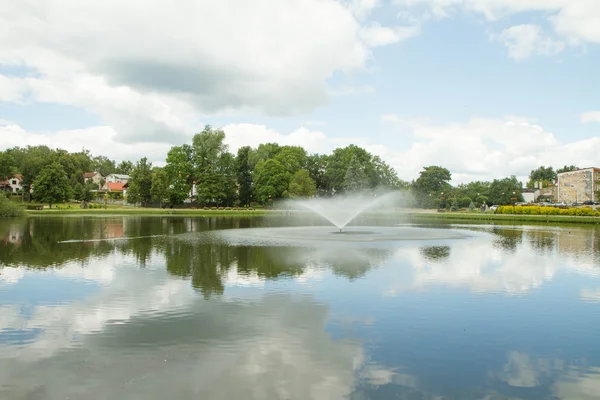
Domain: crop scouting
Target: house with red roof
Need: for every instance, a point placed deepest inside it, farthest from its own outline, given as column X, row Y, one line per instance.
column 114, row 187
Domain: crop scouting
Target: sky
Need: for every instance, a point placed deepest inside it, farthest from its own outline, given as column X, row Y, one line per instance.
column 485, row 88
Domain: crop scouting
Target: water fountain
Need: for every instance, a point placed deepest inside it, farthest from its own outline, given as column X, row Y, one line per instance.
column 341, row 210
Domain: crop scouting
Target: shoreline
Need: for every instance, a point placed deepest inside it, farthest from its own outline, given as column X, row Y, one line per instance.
column 410, row 213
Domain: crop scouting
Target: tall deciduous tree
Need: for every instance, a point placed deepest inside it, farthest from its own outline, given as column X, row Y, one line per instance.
column 302, row 185
column 339, row 162
column 546, row 175
column 78, row 192
column 104, row 165
column 501, row 191
column 140, row 183
column 180, row 173
column 244, row 175
column 7, row 166
column 52, row 185
column 433, row 179
column 160, row 186
column 316, row 164
column 124, row 167
column 355, row 179
column 213, row 167
column 271, row 180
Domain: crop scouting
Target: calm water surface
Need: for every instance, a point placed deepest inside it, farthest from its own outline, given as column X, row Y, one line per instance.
column 510, row 313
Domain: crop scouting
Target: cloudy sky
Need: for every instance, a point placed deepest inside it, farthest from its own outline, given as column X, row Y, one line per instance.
column 486, row 88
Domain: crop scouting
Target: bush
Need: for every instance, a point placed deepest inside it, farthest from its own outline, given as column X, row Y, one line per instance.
column 464, row 202
column 9, row 209
column 537, row 210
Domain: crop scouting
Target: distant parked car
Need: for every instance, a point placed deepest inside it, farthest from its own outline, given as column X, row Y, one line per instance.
column 493, row 208
column 588, row 203
column 521, row 204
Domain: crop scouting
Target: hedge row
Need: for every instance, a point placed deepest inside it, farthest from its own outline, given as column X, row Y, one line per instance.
column 537, row 210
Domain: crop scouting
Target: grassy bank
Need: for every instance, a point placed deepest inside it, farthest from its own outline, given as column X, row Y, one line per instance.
column 148, row 211
column 463, row 216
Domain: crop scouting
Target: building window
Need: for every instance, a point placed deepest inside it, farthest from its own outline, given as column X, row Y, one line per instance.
column 14, row 182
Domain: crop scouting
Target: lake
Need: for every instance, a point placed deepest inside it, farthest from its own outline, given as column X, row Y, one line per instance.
column 187, row 308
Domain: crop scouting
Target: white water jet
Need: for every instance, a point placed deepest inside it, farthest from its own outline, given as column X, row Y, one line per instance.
column 342, row 209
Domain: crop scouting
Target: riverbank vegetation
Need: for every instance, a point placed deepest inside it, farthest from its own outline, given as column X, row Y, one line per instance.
column 204, row 173
column 9, row 209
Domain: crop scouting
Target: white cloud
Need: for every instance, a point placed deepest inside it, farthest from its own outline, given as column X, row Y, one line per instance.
column 376, row 35
column 492, row 269
column 362, row 8
column 526, row 40
column 151, row 72
column 592, row 116
column 285, row 351
column 100, row 140
column 574, row 22
column 489, row 148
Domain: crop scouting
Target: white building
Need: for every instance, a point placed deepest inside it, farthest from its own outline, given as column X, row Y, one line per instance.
column 95, row 177
column 579, row 186
column 14, row 184
column 117, row 178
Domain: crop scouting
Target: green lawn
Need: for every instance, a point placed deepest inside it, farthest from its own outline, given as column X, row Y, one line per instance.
column 145, row 211
column 489, row 216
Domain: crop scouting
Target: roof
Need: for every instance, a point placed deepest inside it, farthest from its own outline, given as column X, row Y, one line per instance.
column 114, row 186
column 120, row 176
column 87, row 175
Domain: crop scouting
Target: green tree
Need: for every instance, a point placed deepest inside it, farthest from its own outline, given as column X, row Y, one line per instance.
column 431, row 183
column 271, row 180
column 546, row 175
column 124, row 167
column 302, row 185
column 211, row 161
column 7, row 166
column 567, row 168
column 454, row 204
column 293, row 158
column 52, row 185
column 501, row 191
column 244, row 175
column 433, row 179
column 355, row 179
column 160, row 186
column 227, row 172
column 179, row 171
column 34, row 159
column 264, row 152
column 140, row 183
column 386, row 176
column 86, row 194
column 78, row 192
column 104, row 165
column 339, row 162
column 316, row 164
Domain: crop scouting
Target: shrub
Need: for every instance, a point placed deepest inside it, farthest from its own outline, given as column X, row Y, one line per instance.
column 471, row 207
column 464, row 202
column 537, row 210
column 9, row 209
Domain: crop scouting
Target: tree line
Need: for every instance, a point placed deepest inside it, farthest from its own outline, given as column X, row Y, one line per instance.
column 270, row 172
column 213, row 176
